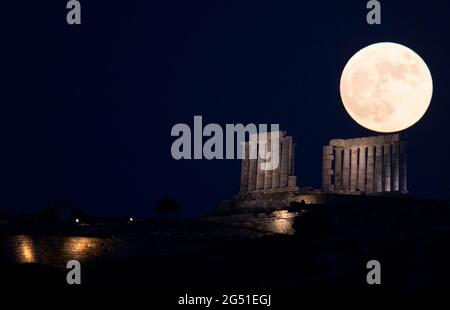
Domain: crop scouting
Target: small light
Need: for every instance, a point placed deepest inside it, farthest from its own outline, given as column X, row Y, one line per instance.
column 77, row 221
column 131, row 219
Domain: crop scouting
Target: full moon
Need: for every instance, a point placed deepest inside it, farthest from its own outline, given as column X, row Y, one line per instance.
column 386, row 87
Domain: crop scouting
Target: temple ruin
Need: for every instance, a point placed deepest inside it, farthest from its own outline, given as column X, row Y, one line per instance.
column 371, row 165
column 256, row 180
column 362, row 166
column 270, row 188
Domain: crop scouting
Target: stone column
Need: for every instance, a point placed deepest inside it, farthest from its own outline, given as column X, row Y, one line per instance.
column 338, row 168
column 276, row 172
column 261, row 162
column 285, row 159
column 245, row 166
column 292, row 172
column 370, row 188
column 346, row 170
column 253, row 165
column 403, row 167
column 290, row 152
column 395, row 167
column 327, row 171
column 269, row 173
column 379, row 168
column 292, row 181
column 276, row 175
column 387, row 167
column 354, row 168
column 362, row 169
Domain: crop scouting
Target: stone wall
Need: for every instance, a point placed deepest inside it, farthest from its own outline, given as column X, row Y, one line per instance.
column 58, row 250
column 276, row 222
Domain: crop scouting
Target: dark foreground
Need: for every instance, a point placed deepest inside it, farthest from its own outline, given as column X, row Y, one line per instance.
column 319, row 247
column 269, row 262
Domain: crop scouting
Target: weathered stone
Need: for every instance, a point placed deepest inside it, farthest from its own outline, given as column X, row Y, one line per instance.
column 253, row 165
column 285, row 159
column 362, row 169
column 370, row 187
column 346, row 170
column 245, row 166
column 276, row 172
column 379, row 168
column 327, row 164
column 338, row 168
column 372, row 164
column 403, row 168
column 268, row 173
column 337, row 142
column 292, row 181
column 354, row 169
column 260, row 172
column 395, row 167
column 264, row 179
column 387, row 168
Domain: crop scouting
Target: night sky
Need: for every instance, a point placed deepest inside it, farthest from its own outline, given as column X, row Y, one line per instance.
column 86, row 111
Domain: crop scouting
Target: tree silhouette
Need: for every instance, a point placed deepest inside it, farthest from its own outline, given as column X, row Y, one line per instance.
column 167, row 205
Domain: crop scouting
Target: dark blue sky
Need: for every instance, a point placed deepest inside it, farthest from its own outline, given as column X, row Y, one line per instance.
column 86, row 111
